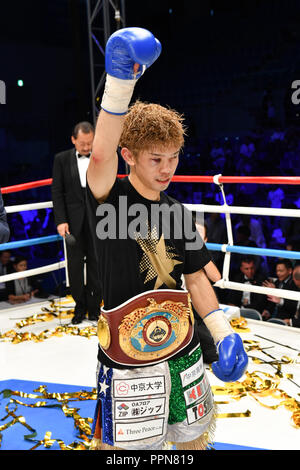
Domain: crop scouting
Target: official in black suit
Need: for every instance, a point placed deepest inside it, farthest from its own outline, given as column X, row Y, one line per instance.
column 248, row 275
column 68, row 196
column 277, row 306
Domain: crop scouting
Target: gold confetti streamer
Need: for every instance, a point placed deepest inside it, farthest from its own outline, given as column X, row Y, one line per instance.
column 15, row 338
column 260, row 385
column 83, row 425
column 246, row 414
column 240, row 325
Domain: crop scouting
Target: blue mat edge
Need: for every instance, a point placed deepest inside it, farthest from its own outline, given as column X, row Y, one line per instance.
column 12, row 383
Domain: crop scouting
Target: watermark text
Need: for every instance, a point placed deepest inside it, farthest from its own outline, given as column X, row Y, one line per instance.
column 2, row 92
column 139, row 221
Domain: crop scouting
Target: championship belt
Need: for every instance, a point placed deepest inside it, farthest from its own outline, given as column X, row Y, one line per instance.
column 149, row 328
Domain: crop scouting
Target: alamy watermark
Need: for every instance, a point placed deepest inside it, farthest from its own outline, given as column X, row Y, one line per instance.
column 140, row 221
column 296, row 93
column 2, row 92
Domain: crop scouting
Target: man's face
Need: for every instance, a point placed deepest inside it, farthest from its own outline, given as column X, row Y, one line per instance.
column 296, row 277
column 4, row 257
column 282, row 272
column 83, row 142
column 153, row 170
column 21, row 266
column 248, row 269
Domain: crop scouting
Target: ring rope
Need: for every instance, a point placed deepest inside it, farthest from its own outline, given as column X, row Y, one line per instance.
column 281, row 293
column 205, row 208
column 225, row 209
column 179, row 179
column 25, row 186
column 249, row 250
column 33, row 272
column 223, row 283
column 29, row 242
column 28, row 207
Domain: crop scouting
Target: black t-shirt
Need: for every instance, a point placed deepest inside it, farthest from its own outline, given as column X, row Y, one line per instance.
column 142, row 245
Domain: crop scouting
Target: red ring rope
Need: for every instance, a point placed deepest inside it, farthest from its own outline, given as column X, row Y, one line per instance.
column 24, row 186
column 178, row 179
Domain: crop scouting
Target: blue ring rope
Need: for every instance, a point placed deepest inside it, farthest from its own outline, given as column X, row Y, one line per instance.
column 210, row 246
column 29, row 242
column 248, row 250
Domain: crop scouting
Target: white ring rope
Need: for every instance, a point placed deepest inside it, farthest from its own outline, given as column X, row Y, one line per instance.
column 205, row 208
column 223, row 283
column 225, row 209
column 28, row 207
column 33, row 272
column 282, row 293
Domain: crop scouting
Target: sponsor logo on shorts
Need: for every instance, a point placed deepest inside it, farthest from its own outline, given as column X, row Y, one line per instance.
column 201, row 409
column 122, row 388
column 139, row 408
column 192, row 373
column 136, row 431
column 196, row 392
column 145, row 386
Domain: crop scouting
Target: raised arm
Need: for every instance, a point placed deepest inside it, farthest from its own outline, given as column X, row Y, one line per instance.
column 128, row 53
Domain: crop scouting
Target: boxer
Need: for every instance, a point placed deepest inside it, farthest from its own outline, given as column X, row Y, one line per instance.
column 152, row 386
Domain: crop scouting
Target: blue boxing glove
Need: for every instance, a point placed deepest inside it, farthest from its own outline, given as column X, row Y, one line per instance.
column 127, row 47
column 233, row 359
column 129, row 51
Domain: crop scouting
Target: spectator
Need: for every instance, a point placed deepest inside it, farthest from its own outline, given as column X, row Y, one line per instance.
column 248, row 275
column 295, row 320
column 276, row 197
column 242, row 238
column 6, row 263
column 278, row 307
column 247, row 148
column 256, row 230
column 278, row 135
column 6, row 267
column 218, row 156
column 22, row 289
column 217, row 150
column 291, row 228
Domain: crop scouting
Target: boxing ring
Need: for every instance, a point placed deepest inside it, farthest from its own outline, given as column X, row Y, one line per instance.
column 47, row 365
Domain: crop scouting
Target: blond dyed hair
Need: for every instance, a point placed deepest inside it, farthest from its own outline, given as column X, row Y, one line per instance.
column 148, row 126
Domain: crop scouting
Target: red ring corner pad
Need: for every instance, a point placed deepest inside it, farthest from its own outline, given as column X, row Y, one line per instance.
column 177, row 179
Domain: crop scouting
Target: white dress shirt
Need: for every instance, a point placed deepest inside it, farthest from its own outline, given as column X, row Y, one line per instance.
column 82, row 163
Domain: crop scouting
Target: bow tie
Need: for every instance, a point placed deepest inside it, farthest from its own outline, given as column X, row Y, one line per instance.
column 86, row 156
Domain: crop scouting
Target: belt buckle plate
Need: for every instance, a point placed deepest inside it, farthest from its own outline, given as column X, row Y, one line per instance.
column 152, row 332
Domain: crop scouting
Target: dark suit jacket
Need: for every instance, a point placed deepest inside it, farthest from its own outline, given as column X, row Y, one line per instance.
column 288, row 308
column 257, row 301
column 4, row 228
column 67, row 193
